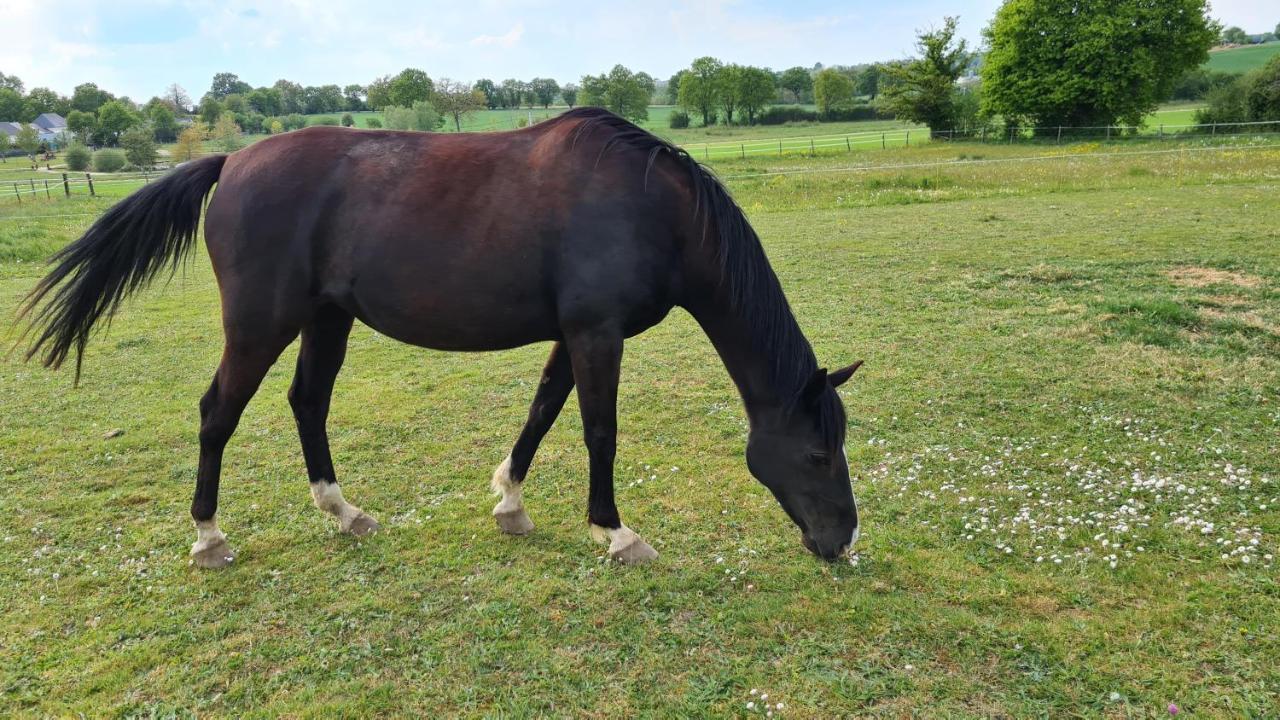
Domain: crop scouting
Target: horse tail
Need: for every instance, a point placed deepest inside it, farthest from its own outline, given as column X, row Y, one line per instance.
column 119, row 254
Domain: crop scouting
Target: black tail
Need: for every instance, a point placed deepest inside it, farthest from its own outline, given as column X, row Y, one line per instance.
column 120, row 253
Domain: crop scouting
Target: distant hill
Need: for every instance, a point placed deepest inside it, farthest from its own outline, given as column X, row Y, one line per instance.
column 1242, row 59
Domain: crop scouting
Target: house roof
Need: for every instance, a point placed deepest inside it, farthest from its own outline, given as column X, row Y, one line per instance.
column 51, row 121
column 10, row 128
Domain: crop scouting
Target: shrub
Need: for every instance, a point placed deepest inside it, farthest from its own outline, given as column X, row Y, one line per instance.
column 1262, row 95
column 139, row 146
column 325, row 120
column 78, row 157
column 778, row 115
column 347, row 120
column 373, row 122
column 276, row 127
column 294, row 121
column 679, row 119
column 107, row 161
column 422, row 116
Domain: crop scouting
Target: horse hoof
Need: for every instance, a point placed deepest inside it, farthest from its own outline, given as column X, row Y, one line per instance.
column 361, row 525
column 214, row 556
column 637, row 552
column 514, row 522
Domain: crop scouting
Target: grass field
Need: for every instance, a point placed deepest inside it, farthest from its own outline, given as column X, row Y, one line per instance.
column 1064, row 442
column 1242, row 59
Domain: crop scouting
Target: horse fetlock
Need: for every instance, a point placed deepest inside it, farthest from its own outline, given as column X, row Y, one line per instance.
column 210, row 549
column 351, row 519
column 509, row 512
column 625, row 546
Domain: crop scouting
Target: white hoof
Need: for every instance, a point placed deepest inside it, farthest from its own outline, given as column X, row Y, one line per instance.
column 625, row 546
column 509, row 512
column 360, row 525
column 210, row 549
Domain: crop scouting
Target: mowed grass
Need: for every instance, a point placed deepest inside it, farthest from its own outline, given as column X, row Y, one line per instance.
column 1063, row 440
column 1242, row 59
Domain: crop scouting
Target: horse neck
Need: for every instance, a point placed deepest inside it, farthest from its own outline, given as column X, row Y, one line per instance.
column 767, row 361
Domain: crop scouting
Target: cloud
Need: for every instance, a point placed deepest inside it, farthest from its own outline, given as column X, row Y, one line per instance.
column 510, row 39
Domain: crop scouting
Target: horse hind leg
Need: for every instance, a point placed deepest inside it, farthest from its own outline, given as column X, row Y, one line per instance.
column 508, row 479
column 241, row 370
column 324, row 347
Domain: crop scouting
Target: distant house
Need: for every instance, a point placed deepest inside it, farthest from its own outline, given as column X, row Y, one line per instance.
column 53, row 137
column 52, row 122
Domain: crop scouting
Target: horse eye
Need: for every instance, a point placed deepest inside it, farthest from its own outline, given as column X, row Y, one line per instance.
column 819, row 458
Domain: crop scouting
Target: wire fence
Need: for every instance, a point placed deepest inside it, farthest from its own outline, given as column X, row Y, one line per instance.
column 67, row 184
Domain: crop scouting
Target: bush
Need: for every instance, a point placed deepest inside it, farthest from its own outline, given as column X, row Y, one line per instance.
column 107, row 161
column 348, row 121
column 78, row 157
column 139, row 146
column 679, row 120
column 294, row 121
column 779, row 115
column 422, row 116
column 325, row 120
column 1262, row 95
column 373, row 122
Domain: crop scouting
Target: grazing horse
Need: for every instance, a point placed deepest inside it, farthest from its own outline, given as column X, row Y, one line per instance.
column 583, row 230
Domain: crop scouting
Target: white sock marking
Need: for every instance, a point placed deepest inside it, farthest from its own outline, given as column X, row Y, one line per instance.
column 510, row 490
column 328, row 497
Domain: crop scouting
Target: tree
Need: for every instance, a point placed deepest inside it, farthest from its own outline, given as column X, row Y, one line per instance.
column 923, row 90
column 545, row 90
column 486, row 86
column 457, row 100
column 798, row 82
column 1091, row 62
column 12, row 106
column 225, row 83
column 190, row 143
column 869, row 81
column 114, row 118
column 164, row 125
column 43, row 100
column 378, row 94
column 139, row 146
column 11, row 82
column 1234, row 36
column 673, row 88
column 570, row 94
column 265, row 100
column 621, row 91
column 512, row 92
column 729, row 86
column 757, row 91
column 226, row 133
column 832, row 90
column 409, row 87
column 27, row 140
column 83, row 124
column 87, row 97
column 1262, row 92
column 177, row 98
column 348, row 120
column 210, row 110
column 292, row 97
column 235, row 103
column 353, row 96
column 421, row 116
column 276, row 127
column 700, row 86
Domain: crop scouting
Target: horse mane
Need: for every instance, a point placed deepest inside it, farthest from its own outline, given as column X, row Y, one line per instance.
column 754, row 291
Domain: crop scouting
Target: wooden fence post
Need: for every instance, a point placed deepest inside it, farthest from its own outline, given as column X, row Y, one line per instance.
column 66, row 185
column 908, row 138
column 16, row 193
column 1161, row 131
column 1059, row 134
column 47, row 194
column 882, row 143
column 811, row 150
column 743, row 147
column 90, row 179
column 779, row 148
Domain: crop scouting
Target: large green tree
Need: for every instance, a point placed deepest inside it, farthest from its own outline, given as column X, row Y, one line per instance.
column 797, row 81
column 226, row 83
column 457, row 100
column 12, row 107
column 410, row 86
column 620, row 91
column 832, row 90
column 114, row 118
column 1090, row 62
column 756, row 92
column 700, row 88
column 545, row 90
column 923, row 90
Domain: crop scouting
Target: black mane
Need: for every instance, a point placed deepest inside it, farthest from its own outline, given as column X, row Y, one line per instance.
column 754, row 290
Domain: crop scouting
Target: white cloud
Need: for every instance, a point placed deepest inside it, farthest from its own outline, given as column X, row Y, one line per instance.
column 510, row 39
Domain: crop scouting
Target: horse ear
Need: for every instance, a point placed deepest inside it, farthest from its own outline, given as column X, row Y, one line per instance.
column 842, row 375
column 814, row 386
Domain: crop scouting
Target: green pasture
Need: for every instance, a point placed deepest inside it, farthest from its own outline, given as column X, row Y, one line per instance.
column 1063, row 441
column 1242, row 59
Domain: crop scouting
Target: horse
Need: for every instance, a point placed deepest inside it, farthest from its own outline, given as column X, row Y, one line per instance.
column 583, row 230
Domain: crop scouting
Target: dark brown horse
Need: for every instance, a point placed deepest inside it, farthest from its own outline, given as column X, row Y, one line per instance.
column 583, row 230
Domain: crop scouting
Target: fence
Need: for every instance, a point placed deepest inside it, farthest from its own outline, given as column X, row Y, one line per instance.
column 68, row 184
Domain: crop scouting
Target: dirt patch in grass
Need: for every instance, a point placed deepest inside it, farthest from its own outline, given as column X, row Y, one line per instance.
column 1198, row 277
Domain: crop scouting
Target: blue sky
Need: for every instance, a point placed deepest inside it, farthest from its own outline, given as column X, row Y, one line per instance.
column 138, row 47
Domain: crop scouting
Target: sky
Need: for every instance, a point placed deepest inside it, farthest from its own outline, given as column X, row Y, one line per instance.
column 139, row 47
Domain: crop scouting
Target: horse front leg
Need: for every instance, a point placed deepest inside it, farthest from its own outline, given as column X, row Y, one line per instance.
column 508, row 479
column 596, row 358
